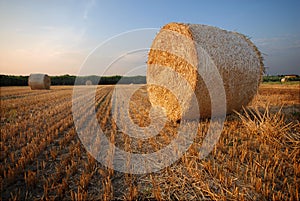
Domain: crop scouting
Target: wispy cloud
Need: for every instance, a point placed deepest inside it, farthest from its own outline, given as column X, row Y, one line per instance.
column 87, row 8
column 280, row 43
column 281, row 53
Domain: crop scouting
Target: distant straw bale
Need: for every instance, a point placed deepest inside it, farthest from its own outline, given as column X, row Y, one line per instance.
column 39, row 81
column 88, row 82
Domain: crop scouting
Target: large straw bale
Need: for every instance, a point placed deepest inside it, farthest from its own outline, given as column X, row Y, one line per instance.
column 177, row 46
column 39, row 81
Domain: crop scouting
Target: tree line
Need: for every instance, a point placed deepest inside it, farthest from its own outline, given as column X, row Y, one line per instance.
column 15, row 80
column 277, row 78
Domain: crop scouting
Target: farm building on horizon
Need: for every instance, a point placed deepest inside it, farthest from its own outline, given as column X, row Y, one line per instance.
column 287, row 78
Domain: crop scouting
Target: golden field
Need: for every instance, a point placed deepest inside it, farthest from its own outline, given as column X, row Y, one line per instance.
column 257, row 156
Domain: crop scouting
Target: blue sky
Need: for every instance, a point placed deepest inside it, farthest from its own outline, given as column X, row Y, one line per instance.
column 55, row 37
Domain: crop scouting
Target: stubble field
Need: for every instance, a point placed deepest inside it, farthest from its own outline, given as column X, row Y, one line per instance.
column 257, row 156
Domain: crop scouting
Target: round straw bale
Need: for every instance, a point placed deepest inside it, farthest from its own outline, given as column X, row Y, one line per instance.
column 181, row 47
column 39, row 81
column 88, row 82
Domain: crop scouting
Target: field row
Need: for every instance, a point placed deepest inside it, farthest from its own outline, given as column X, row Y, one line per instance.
column 45, row 155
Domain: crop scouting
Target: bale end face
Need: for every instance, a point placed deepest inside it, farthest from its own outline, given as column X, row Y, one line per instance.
column 39, row 81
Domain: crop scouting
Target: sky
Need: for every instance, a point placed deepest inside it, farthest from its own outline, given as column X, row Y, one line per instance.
column 65, row 37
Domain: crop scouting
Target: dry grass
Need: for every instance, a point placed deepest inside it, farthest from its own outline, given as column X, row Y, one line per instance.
column 256, row 157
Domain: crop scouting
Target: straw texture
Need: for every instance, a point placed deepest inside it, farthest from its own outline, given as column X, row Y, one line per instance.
column 177, row 46
column 39, row 81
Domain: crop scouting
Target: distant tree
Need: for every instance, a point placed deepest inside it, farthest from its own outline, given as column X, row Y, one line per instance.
column 13, row 80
